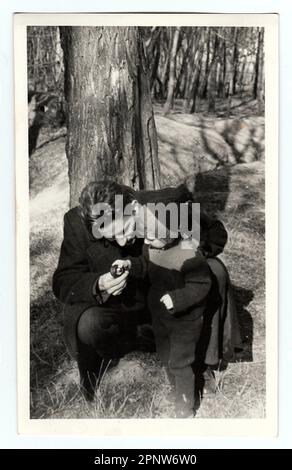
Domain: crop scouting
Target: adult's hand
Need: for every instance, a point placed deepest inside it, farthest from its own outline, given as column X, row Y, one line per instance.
column 111, row 285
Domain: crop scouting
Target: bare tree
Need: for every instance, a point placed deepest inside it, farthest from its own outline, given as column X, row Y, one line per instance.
column 196, row 76
column 259, row 71
column 221, row 71
column 204, row 86
column 152, row 43
column 233, row 62
column 44, row 59
column 111, row 128
column 186, row 40
column 213, row 75
column 172, row 69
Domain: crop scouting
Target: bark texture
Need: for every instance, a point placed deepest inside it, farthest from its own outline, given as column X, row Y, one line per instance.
column 111, row 128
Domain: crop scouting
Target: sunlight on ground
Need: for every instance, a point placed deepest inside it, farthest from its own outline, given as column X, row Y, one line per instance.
column 138, row 387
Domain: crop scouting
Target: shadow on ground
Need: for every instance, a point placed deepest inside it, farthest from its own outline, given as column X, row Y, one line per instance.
column 243, row 297
column 233, row 193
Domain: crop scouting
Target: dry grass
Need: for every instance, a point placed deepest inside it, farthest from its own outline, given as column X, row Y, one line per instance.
column 138, row 387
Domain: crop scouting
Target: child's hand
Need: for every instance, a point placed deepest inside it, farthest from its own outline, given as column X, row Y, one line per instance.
column 167, row 301
column 120, row 266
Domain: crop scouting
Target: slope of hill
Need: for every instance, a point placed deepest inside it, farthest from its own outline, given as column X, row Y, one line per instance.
column 236, row 194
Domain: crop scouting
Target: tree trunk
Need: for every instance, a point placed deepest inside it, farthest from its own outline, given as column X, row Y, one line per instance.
column 212, row 78
column 172, row 66
column 224, row 71
column 233, row 63
column 203, row 93
column 154, row 67
column 197, row 72
column 179, row 89
column 186, row 89
column 181, row 81
column 153, row 54
column 189, row 73
column 111, row 128
column 166, row 41
column 221, row 68
column 259, row 72
column 230, row 55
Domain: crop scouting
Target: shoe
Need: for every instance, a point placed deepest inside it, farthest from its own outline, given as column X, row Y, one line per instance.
column 184, row 406
column 92, row 368
column 90, row 379
column 88, row 383
column 209, row 387
column 205, row 383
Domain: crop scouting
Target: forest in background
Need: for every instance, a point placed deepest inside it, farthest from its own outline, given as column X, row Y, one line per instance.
column 190, row 64
column 207, row 93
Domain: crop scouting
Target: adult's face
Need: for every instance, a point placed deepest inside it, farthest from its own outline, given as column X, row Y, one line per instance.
column 122, row 230
column 141, row 223
column 136, row 221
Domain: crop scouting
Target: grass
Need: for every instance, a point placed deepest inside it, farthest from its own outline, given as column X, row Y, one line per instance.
column 138, row 387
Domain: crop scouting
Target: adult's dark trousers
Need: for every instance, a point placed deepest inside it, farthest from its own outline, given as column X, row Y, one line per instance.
column 103, row 336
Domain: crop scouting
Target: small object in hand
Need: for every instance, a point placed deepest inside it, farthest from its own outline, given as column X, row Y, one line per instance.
column 117, row 270
column 167, row 301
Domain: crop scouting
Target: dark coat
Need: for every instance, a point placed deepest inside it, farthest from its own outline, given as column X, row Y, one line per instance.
column 220, row 336
column 83, row 259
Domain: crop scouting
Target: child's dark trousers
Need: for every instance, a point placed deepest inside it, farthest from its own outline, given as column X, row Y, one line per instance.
column 176, row 340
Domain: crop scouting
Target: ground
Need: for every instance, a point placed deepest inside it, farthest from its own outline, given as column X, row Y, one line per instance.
column 221, row 159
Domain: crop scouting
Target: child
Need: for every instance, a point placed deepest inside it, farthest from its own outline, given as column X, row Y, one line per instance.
column 180, row 281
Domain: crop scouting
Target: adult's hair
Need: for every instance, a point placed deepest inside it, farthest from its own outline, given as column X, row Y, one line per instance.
column 103, row 191
column 179, row 194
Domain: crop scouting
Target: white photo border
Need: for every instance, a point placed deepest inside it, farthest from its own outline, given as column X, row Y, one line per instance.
column 265, row 427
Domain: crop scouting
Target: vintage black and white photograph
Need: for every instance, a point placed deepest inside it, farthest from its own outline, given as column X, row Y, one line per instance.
column 126, row 321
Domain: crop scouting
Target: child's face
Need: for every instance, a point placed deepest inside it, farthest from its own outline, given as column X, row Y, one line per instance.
column 156, row 242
